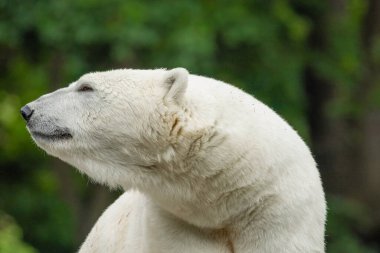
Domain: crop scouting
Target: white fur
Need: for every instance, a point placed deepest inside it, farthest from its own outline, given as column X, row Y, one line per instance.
column 206, row 167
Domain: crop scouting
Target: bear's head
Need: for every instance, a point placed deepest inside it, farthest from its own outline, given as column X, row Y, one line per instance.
column 108, row 121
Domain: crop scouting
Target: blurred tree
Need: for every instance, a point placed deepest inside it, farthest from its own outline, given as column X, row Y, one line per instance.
column 343, row 84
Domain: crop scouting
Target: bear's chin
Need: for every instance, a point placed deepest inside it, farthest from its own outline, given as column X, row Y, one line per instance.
column 55, row 145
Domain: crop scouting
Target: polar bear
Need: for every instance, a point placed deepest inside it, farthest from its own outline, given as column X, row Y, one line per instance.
column 205, row 167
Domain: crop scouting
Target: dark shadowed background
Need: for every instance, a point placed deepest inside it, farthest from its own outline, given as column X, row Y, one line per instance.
column 316, row 62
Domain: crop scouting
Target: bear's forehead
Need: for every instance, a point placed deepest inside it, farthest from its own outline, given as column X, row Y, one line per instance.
column 121, row 74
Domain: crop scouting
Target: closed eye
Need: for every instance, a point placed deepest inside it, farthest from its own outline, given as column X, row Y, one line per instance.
column 85, row 88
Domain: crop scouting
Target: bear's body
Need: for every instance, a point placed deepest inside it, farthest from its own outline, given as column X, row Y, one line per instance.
column 206, row 167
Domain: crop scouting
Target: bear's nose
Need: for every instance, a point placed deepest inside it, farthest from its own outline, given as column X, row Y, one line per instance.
column 26, row 113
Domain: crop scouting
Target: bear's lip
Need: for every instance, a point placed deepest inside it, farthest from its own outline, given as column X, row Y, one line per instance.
column 56, row 135
column 47, row 131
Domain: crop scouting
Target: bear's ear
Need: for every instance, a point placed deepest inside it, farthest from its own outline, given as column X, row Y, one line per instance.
column 176, row 82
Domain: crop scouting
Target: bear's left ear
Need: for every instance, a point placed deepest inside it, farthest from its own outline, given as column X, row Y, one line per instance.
column 176, row 82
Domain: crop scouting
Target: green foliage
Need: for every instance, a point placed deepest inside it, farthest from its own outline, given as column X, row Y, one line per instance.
column 344, row 217
column 260, row 46
column 11, row 237
column 342, row 59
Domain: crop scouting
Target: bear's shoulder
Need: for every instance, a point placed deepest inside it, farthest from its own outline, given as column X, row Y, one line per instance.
column 111, row 229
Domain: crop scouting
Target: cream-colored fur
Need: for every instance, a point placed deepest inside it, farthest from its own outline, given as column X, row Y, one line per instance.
column 205, row 166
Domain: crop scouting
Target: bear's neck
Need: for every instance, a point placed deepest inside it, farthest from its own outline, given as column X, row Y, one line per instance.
column 203, row 196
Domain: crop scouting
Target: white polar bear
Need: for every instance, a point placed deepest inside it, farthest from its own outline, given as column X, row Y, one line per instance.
column 206, row 167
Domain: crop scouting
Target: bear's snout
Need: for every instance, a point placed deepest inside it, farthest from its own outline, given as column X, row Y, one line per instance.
column 26, row 113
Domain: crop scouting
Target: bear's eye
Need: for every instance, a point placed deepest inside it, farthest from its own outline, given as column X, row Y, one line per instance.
column 85, row 88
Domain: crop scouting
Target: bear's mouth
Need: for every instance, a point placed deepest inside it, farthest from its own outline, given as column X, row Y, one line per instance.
column 58, row 134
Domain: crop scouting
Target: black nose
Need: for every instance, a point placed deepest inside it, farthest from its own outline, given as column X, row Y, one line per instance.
column 26, row 112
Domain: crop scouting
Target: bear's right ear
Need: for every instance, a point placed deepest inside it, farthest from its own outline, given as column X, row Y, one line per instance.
column 176, row 82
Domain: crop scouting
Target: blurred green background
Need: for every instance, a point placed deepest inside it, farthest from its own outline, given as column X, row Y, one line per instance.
column 316, row 62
